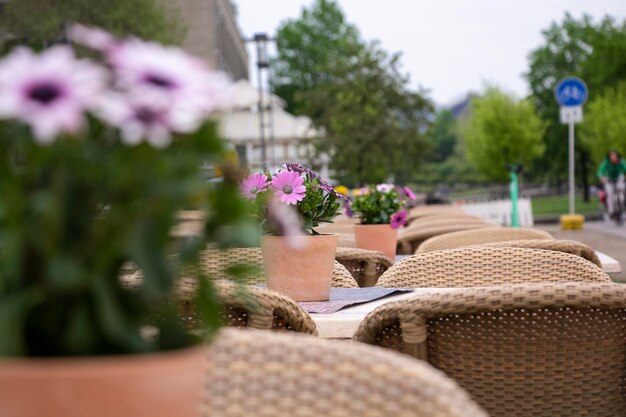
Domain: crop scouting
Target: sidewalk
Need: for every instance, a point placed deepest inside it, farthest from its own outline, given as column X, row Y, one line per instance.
column 604, row 237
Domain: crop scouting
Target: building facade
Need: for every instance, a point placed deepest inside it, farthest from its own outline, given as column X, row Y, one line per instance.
column 213, row 34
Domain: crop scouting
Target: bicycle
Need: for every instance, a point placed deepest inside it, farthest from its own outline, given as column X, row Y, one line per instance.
column 618, row 204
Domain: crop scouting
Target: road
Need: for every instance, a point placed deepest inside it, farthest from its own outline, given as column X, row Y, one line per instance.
column 604, row 237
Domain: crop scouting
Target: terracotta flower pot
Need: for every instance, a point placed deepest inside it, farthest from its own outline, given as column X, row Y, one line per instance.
column 151, row 385
column 304, row 273
column 379, row 237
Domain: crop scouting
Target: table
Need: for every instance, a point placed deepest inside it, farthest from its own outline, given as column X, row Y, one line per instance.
column 609, row 265
column 343, row 323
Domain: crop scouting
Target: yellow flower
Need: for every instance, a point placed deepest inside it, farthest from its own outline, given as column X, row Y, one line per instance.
column 342, row 189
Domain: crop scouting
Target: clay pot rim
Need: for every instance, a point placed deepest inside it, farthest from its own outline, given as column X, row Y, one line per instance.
column 317, row 235
column 132, row 363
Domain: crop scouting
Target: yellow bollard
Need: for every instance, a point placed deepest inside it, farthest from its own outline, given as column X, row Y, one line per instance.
column 572, row 221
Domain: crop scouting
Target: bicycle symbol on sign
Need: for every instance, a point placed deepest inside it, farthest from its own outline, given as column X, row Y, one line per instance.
column 571, row 93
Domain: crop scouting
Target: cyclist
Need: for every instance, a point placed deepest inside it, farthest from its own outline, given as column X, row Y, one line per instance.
column 611, row 174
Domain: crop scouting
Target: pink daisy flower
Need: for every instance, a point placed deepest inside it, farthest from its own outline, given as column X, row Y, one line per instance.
column 288, row 187
column 253, row 185
column 140, row 118
column 409, row 193
column 399, row 219
column 168, row 73
column 91, row 37
column 50, row 92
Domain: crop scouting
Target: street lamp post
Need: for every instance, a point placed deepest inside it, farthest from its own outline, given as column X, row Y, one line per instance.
column 261, row 41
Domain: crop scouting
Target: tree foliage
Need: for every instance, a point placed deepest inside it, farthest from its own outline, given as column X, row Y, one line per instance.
column 375, row 128
column 595, row 52
column 443, row 136
column 604, row 127
column 309, row 49
column 42, row 22
column 499, row 130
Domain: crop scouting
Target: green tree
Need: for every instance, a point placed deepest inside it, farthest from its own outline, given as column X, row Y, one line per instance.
column 443, row 136
column 604, row 127
column 500, row 129
column 42, row 22
column 309, row 49
column 578, row 47
column 354, row 92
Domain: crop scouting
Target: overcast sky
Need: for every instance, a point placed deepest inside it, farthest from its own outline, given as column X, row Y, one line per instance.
column 449, row 47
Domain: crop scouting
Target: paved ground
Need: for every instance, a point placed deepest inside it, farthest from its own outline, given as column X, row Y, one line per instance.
column 604, row 237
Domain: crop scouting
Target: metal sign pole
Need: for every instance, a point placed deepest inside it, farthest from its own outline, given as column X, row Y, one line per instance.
column 572, row 186
column 514, row 195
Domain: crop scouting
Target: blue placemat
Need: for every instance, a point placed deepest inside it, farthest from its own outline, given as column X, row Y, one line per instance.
column 345, row 297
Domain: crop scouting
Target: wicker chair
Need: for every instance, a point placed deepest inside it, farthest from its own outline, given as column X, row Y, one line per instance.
column 216, row 263
column 432, row 221
column 264, row 374
column 477, row 237
column 567, row 246
column 483, row 266
column 540, row 350
column 364, row 265
column 244, row 306
column 409, row 239
column 421, row 211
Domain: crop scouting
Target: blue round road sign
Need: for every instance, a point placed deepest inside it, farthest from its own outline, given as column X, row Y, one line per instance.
column 571, row 92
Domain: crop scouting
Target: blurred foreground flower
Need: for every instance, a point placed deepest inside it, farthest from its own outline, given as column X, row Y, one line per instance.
column 283, row 220
column 50, row 92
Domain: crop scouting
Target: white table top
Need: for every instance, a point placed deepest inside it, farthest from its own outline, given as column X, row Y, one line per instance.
column 609, row 265
column 343, row 323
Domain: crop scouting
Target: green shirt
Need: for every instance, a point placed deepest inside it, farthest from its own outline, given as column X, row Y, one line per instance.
column 612, row 171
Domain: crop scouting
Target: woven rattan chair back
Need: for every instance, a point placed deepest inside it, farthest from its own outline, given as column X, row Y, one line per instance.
column 409, row 239
column 216, row 264
column 364, row 265
column 484, row 266
column 541, row 350
column 443, row 218
column 264, row 374
column 567, row 246
column 260, row 308
column 243, row 306
column 422, row 211
column 460, row 239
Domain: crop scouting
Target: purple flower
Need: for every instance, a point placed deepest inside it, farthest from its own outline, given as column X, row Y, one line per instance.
column 253, row 185
column 399, row 219
column 311, row 175
column 301, row 169
column 168, row 74
column 409, row 193
column 283, row 220
column 347, row 209
column 384, row 188
column 50, row 92
column 289, row 187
